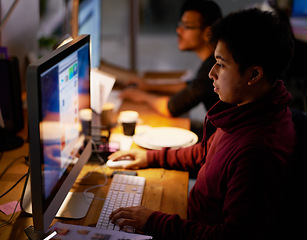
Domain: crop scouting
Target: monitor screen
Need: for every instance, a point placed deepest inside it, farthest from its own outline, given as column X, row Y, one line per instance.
column 89, row 23
column 299, row 8
column 58, row 90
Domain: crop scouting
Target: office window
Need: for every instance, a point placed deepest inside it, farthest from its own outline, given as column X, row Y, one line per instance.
column 115, row 32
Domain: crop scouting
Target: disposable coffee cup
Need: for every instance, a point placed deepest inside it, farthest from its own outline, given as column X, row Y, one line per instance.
column 86, row 121
column 128, row 119
column 107, row 114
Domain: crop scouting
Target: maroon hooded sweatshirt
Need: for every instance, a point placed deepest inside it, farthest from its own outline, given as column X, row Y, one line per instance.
column 240, row 188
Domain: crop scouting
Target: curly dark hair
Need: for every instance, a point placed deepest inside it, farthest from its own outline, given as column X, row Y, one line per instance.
column 209, row 10
column 256, row 37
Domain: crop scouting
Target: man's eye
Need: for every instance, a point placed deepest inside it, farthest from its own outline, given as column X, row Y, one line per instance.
column 220, row 65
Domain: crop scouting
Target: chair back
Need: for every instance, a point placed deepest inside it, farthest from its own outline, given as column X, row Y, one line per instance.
column 298, row 179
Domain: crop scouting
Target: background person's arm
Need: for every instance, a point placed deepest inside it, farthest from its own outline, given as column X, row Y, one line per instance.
column 157, row 102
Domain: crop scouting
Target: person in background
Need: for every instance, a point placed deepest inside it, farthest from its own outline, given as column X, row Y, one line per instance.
column 193, row 35
column 241, row 187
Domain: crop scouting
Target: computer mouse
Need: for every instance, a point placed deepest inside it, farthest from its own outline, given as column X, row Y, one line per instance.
column 118, row 163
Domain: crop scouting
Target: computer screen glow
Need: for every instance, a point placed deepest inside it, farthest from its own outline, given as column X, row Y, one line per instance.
column 58, row 89
column 299, row 8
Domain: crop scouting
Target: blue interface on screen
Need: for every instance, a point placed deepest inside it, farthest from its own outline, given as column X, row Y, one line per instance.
column 62, row 87
column 299, row 8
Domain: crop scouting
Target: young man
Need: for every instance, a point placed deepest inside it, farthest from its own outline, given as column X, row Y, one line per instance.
column 193, row 35
column 240, row 191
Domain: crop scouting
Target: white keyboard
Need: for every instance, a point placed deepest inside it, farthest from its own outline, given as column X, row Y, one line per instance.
column 124, row 191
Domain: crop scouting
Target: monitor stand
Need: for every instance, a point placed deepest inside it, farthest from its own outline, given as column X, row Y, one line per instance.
column 33, row 235
column 75, row 205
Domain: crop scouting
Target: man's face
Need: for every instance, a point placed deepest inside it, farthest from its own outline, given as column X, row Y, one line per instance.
column 190, row 32
column 229, row 84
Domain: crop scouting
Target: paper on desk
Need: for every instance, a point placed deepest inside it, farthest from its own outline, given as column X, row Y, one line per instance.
column 68, row 231
column 10, row 207
column 101, row 86
column 115, row 99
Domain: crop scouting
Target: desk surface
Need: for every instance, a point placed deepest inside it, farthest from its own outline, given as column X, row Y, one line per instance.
column 160, row 193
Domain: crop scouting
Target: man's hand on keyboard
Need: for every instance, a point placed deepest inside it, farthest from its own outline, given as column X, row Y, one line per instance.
column 131, row 216
column 138, row 155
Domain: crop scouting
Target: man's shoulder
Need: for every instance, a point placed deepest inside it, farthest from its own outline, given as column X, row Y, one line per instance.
column 206, row 65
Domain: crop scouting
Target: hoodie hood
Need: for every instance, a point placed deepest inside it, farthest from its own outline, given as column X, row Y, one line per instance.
column 230, row 117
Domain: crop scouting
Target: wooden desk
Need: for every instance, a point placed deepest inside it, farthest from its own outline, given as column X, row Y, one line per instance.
column 165, row 190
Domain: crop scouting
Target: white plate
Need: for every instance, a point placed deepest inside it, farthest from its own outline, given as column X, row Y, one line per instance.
column 157, row 138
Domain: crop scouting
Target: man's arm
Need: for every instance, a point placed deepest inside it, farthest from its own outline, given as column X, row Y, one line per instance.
column 160, row 82
column 249, row 207
column 165, row 88
column 157, row 102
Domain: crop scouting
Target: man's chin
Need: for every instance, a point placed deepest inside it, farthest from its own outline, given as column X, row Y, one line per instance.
column 185, row 49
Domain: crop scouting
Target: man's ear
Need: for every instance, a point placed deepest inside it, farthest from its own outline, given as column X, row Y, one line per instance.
column 256, row 75
column 207, row 33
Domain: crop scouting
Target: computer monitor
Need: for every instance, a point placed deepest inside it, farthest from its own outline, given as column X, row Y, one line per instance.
column 299, row 8
column 89, row 23
column 58, row 89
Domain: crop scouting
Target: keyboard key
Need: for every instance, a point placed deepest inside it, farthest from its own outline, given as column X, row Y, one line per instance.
column 124, row 191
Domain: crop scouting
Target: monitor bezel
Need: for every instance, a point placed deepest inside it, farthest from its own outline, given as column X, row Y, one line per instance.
column 42, row 219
